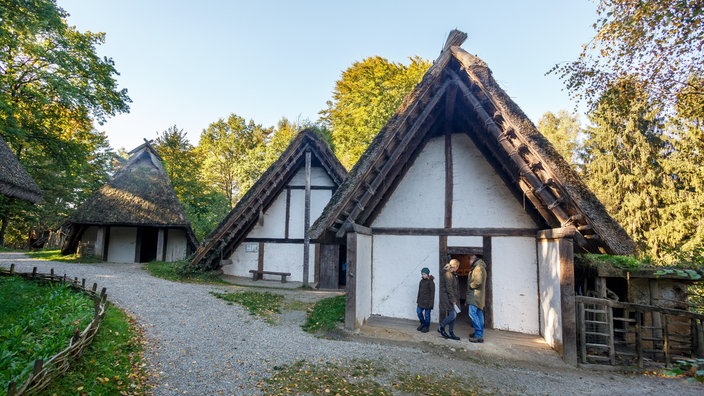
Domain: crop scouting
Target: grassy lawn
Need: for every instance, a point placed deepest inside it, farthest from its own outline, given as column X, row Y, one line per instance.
column 178, row 271
column 55, row 255
column 37, row 320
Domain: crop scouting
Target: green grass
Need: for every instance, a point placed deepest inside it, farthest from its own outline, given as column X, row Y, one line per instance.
column 55, row 255
column 365, row 377
column 179, row 271
column 111, row 365
column 326, row 315
column 36, row 321
column 265, row 305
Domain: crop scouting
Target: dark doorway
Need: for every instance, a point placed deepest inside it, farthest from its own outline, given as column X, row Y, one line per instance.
column 147, row 239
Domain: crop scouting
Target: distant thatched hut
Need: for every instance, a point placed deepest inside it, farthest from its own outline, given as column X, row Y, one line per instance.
column 266, row 230
column 14, row 180
column 135, row 217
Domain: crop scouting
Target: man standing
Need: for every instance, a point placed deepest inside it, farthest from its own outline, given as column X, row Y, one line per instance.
column 475, row 296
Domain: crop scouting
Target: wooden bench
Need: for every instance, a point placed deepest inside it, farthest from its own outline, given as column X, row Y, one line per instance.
column 256, row 274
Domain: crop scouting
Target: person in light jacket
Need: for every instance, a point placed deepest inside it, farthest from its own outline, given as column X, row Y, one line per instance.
column 449, row 298
column 476, row 285
column 425, row 299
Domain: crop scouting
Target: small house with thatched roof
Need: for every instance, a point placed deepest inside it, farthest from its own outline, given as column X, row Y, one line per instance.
column 135, row 217
column 265, row 233
column 14, row 180
column 460, row 169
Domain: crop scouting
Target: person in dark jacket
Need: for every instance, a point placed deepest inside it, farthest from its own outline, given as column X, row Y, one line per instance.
column 449, row 298
column 425, row 299
column 476, row 285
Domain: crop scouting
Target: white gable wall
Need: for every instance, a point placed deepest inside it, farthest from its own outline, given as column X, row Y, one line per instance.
column 514, row 284
column 480, row 200
column 480, row 197
column 283, row 256
column 122, row 244
column 395, row 282
column 176, row 244
column 550, row 305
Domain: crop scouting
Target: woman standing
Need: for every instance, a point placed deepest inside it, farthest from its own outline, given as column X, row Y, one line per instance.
column 449, row 298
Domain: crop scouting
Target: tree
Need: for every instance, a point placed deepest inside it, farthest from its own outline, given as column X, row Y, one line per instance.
column 660, row 42
column 52, row 86
column 233, row 153
column 622, row 159
column 365, row 97
column 562, row 130
column 204, row 206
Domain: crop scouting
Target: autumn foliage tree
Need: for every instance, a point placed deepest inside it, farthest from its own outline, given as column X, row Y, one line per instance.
column 364, row 98
column 53, row 85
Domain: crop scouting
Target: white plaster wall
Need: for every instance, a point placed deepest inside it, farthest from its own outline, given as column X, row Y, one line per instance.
column 480, row 197
column 549, row 281
column 363, row 278
column 288, row 257
column 176, row 244
column 318, row 200
column 318, row 177
column 514, row 283
column 396, row 273
column 419, row 200
column 90, row 235
column 242, row 260
column 274, row 220
column 122, row 245
column 297, row 214
column 473, row 241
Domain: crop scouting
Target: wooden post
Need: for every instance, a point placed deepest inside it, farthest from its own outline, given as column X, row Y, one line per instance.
column 306, row 238
column 34, row 272
column 12, row 268
column 351, row 284
column 610, row 326
column 582, row 332
column 11, row 388
column 666, row 342
column 639, row 338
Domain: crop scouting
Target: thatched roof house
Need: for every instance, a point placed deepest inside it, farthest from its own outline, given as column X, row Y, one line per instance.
column 461, row 170
column 134, row 217
column 14, row 180
column 266, row 230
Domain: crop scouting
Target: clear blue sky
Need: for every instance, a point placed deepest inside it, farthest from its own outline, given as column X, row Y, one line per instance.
column 190, row 63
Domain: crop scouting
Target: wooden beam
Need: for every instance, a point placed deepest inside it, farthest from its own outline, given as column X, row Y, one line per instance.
column 519, row 232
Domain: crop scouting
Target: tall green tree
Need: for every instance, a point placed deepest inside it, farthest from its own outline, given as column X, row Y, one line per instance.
column 562, row 130
column 234, row 154
column 364, row 99
column 204, row 206
column 660, row 42
column 53, row 86
column 622, row 159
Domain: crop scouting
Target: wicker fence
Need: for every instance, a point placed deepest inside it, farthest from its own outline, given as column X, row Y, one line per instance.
column 46, row 371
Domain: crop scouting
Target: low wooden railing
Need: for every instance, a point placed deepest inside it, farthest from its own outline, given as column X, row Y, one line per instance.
column 618, row 333
column 46, row 371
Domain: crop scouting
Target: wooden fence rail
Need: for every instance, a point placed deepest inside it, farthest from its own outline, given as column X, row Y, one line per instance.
column 46, row 371
column 618, row 333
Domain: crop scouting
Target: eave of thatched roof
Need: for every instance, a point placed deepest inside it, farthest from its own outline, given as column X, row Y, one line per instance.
column 459, row 95
column 139, row 194
column 14, row 179
column 237, row 224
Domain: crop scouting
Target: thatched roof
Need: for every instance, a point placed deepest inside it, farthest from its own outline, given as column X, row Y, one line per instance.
column 14, row 179
column 139, row 194
column 236, row 225
column 459, row 95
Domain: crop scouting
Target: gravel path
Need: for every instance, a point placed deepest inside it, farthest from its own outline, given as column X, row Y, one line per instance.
column 199, row 345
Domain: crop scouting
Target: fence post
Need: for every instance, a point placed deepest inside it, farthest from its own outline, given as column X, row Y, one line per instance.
column 610, row 324
column 12, row 268
column 11, row 388
column 34, row 272
column 639, row 338
column 666, row 341
column 582, row 336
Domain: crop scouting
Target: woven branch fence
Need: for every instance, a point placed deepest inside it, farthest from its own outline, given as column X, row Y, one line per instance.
column 46, row 371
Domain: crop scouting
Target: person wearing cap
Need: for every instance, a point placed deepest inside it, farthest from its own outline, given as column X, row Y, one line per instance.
column 449, row 298
column 476, row 285
column 425, row 299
